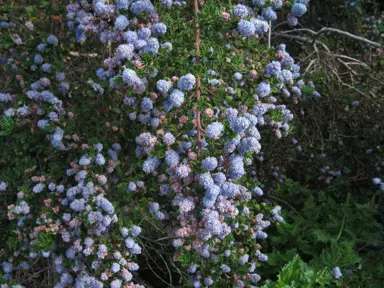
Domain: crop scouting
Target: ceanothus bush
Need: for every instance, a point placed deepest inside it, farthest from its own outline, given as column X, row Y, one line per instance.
column 200, row 110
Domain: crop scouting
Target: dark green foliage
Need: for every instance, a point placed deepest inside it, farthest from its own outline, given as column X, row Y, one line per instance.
column 328, row 231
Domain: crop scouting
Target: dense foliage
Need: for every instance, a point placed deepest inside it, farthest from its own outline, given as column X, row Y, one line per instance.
column 191, row 144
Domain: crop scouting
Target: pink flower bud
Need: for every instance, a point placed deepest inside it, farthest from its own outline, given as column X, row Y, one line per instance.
column 252, row 74
column 183, row 119
column 192, row 156
column 208, row 112
column 84, row 146
column 226, row 16
column 138, row 63
column 153, row 96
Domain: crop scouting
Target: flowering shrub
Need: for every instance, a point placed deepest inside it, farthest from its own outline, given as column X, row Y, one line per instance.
column 204, row 178
column 200, row 114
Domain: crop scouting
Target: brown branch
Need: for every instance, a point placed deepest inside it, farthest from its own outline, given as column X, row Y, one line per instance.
column 210, row 92
column 197, row 43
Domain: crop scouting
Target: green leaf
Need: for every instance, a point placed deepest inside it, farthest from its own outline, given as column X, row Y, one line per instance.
column 321, row 235
column 45, row 241
column 297, row 273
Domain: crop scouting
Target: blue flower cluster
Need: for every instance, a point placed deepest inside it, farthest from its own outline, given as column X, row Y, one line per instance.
column 39, row 93
column 250, row 26
column 377, row 181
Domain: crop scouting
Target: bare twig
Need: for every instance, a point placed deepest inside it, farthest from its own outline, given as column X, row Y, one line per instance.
column 169, row 270
column 347, row 34
column 77, row 54
column 269, row 34
column 309, row 65
column 346, row 64
column 350, row 58
column 35, row 274
column 165, row 238
column 324, row 46
column 293, row 37
column 298, row 30
column 151, row 222
column 322, row 31
column 149, row 266
column 154, row 241
column 343, row 83
column 280, row 24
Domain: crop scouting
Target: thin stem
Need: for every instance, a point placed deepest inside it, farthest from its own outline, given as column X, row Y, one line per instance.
column 280, row 24
column 341, row 229
column 282, row 201
column 109, row 48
